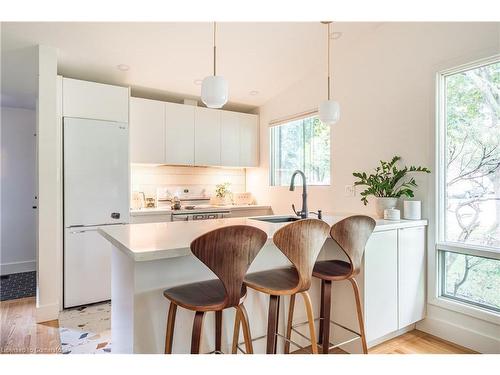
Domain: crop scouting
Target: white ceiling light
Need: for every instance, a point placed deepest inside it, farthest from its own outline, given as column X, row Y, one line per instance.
column 254, row 92
column 329, row 110
column 214, row 89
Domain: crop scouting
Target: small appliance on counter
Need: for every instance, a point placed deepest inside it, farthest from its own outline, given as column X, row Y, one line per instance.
column 242, row 198
column 138, row 200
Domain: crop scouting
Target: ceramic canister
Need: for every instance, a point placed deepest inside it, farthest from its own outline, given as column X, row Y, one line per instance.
column 412, row 210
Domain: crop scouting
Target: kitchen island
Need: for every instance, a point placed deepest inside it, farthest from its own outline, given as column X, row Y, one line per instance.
column 148, row 258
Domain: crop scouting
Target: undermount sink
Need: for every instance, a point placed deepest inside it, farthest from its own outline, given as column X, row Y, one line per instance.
column 276, row 219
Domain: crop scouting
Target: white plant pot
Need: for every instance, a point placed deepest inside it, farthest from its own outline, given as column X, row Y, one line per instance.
column 221, row 201
column 384, row 203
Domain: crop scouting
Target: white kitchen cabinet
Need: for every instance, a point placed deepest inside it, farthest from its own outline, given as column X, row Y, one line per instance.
column 147, row 131
column 207, row 136
column 249, row 140
column 91, row 100
column 179, row 134
column 230, row 138
column 381, row 284
column 411, row 273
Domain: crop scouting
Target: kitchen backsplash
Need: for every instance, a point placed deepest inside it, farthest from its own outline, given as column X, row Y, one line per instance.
column 198, row 180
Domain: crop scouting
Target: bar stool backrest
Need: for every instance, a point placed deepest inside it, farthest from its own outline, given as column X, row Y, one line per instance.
column 228, row 252
column 301, row 242
column 352, row 234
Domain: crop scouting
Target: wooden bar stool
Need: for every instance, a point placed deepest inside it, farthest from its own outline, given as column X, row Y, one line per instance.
column 301, row 243
column 227, row 252
column 351, row 234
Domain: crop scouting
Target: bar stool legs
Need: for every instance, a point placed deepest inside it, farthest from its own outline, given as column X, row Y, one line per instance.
column 272, row 324
column 360, row 315
column 242, row 318
column 170, row 328
column 310, row 320
column 289, row 324
column 196, row 336
column 218, row 331
column 326, row 296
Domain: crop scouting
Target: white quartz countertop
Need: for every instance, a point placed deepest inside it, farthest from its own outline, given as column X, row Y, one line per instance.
column 150, row 241
column 168, row 210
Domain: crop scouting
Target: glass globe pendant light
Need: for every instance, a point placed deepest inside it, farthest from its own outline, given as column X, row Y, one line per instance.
column 329, row 110
column 214, row 89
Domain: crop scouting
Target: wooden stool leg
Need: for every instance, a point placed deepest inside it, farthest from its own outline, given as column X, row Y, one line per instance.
column 236, row 331
column 325, row 322
column 272, row 324
column 218, row 331
column 246, row 329
column 360, row 315
column 310, row 319
column 290, row 323
column 196, row 335
column 170, row 328
column 321, row 312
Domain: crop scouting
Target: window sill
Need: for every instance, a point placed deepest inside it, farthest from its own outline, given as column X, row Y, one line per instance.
column 462, row 308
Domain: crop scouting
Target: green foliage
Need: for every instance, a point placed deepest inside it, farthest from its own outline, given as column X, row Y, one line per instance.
column 388, row 180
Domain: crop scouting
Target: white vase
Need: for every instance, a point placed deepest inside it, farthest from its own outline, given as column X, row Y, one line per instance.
column 384, row 203
column 412, row 210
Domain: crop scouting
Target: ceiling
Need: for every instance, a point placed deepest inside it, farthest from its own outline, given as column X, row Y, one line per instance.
column 166, row 59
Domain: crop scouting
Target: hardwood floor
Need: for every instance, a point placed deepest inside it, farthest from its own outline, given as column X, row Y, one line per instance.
column 19, row 333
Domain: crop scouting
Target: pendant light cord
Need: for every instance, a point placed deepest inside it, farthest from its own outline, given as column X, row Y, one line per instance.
column 215, row 55
column 328, row 68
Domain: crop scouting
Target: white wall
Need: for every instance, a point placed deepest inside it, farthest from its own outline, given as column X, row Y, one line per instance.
column 49, row 250
column 385, row 84
column 18, row 181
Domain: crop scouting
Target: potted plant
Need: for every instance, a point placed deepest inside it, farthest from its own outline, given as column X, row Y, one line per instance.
column 388, row 183
column 222, row 194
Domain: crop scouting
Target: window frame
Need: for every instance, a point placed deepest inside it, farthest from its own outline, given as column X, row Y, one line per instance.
column 272, row 141
column 440, row 245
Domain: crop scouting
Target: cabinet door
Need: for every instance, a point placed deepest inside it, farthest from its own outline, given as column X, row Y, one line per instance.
column 207, row 136
column 147, row 131
column 230, row 139
column 381, row 284
column 179, row 134
column 249, row 140
column 411, row 275
column 97, row 101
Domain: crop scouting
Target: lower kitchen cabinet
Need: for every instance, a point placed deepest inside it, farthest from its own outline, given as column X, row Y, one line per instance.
column 391, row 283
column 412, row 275
column 381, row 284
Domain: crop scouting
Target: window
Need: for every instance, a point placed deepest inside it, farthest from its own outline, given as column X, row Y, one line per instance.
column 469, row 185
column 300, row 144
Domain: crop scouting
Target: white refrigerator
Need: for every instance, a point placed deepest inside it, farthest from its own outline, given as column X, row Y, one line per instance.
column 96, row 194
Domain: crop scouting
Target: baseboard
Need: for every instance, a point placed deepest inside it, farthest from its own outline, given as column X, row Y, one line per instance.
column 17, row 267
column 44, row 313
column 460, row 335
column 391, row 335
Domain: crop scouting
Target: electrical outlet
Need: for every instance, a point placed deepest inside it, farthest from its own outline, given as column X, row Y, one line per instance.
column 350, row 191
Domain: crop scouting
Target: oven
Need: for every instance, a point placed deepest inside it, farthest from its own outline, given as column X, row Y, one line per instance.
column 195, row 216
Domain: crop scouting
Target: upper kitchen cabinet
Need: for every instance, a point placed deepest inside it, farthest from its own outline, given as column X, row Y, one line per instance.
column 249, row 140
column 207, row 136
column 147, row 131
column 83, row 99
column 239, row 139
column 179, row 134
column 230, row 138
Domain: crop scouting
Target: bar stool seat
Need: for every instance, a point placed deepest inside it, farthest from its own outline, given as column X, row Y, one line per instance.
column 277, row 281
column 207, row 295
column 332, row 270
